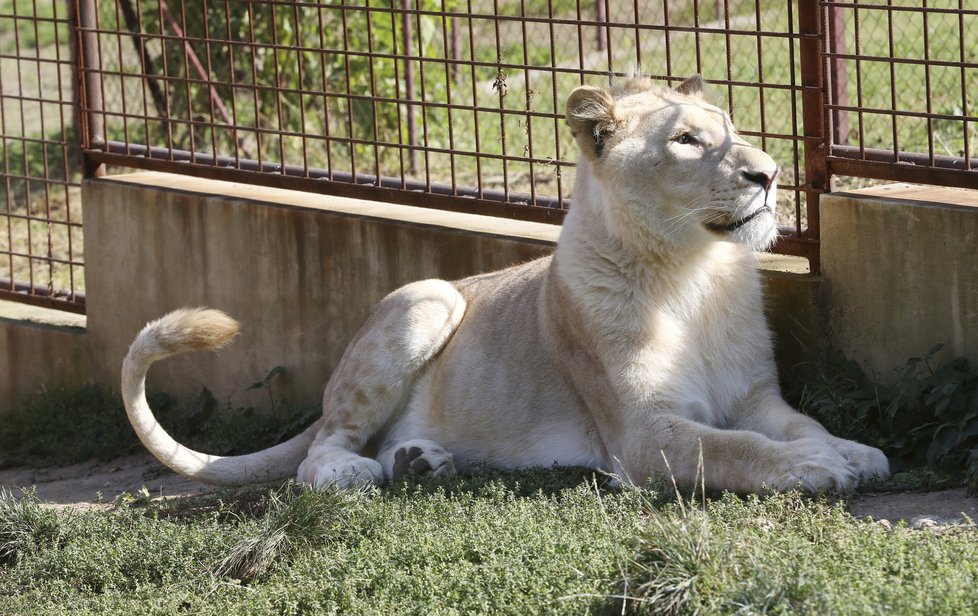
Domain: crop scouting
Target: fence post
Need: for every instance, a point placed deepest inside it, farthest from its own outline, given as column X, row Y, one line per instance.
column 87, row 90
column 816, row 138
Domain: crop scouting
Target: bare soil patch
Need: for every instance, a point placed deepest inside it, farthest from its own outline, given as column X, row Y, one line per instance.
column 919, row 509
column 79, row 486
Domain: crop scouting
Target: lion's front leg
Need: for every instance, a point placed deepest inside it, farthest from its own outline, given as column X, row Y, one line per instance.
column 771, row 416
column 737, row 460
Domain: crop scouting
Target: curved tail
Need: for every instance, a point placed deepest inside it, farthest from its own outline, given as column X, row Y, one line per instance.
column 184, row 330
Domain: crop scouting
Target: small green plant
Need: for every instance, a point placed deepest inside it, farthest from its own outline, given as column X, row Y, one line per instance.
column 58, row 427
column 927, row 416
column 266, row 384
column 206, row 425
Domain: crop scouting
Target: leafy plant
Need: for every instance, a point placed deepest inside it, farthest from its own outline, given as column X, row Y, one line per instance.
column 207, row 425
column 266, row 384
column 927, row 416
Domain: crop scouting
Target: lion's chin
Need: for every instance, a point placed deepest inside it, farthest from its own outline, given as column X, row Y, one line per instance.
column 757, row 230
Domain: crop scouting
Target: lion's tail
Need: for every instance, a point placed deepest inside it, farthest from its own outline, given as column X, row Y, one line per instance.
column 184, row 330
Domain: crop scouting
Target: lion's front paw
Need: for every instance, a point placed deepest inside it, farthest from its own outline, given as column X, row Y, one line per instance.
column 811, row 465
column 343, row 469
column 865, row 461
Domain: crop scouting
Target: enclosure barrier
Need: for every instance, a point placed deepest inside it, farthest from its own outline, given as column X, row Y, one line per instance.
column 454, row 104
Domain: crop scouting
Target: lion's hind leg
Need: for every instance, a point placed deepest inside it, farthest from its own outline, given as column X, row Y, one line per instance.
column 374, row 379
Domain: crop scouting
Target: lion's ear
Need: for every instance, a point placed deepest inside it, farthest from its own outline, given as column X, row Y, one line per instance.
column 693, row 86
column 591, row 116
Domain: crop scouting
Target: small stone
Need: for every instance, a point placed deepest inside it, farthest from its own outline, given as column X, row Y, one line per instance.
column 926, row 522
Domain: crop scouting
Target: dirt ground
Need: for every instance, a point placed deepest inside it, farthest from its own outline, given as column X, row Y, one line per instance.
column 80, row 485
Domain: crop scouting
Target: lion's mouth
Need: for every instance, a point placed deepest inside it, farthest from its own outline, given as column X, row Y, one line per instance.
column 733, row 226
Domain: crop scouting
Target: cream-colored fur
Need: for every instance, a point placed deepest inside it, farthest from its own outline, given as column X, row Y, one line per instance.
column 638, row 346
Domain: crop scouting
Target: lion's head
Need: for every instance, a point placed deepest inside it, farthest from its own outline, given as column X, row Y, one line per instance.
column 671, row 166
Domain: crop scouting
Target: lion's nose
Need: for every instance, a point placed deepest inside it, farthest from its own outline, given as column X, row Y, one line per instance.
column 763, row 178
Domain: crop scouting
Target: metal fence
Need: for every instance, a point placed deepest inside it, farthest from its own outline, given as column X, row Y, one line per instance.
column 907, row 75
column 457, row 104
column 40, row 216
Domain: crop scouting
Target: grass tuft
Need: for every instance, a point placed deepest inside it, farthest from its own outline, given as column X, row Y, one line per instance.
column 672, row 553
column 292, row 522
column 24, row 525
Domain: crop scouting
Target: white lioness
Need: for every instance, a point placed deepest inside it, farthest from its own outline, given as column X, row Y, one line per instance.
column 638, row 345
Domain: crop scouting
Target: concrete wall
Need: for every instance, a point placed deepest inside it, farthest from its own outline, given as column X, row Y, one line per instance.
column 300, row 272
column 39, row 349
column 901, row 273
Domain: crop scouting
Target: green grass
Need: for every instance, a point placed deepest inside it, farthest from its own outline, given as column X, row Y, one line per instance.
column 523, row 543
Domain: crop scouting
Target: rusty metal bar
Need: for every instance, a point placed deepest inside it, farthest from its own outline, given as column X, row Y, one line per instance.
column 88, row 86
column 362, row 186
column 41, row 295
column 838, row 77
column 409, row 89
column 902, row 166
column 810, row 49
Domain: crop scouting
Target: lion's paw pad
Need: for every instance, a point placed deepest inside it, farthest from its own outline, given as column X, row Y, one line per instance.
column 423, row 457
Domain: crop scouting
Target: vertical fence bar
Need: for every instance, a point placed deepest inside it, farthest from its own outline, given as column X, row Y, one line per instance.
column 837, row 74
column 816, row 138
column 407, row 34
column 600, row 16
column 86, row 62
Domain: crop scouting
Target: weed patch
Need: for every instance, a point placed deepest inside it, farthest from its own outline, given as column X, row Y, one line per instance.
column 927, row 417
column 790, row 554
column 24, row 526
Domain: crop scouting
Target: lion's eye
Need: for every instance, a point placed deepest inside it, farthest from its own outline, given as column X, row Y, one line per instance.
column 686, row 139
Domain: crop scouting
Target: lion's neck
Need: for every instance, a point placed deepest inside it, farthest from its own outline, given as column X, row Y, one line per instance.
column 589, row 237
column 603, row 272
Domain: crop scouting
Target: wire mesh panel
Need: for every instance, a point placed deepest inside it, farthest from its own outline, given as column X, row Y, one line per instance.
column 445, row 103
column 40, row 216
column 454, row 103
column 905, row 84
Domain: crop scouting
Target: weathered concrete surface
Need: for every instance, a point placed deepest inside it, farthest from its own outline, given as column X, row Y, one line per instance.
column 300, row 272
column 39, row 348
column 792, row 313
column 900, row 265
